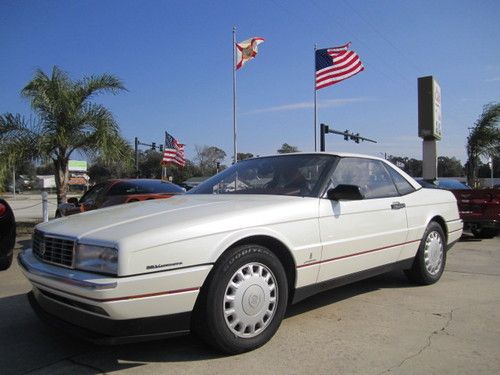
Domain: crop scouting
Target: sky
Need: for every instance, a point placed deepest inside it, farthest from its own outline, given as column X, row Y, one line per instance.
column 175, row 58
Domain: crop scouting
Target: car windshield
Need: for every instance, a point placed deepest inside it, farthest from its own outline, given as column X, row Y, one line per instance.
column 296, row 175
column 93, row 193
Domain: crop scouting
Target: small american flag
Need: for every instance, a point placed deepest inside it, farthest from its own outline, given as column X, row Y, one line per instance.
column 336, row 64
column 173, row 152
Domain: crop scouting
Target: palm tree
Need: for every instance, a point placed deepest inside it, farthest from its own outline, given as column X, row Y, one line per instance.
column 17, row 143
column 484, row 139
column 68, row 121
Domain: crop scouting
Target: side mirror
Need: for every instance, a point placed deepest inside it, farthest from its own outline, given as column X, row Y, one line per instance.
column 345, row 192
column 73, row 201
column 89, row 203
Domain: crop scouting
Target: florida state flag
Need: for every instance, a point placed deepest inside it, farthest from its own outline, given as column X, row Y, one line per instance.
column 246, row 51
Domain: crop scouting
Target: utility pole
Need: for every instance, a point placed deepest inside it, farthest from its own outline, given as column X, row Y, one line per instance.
column 14, row 180
column 136, row 157
column 491, row 169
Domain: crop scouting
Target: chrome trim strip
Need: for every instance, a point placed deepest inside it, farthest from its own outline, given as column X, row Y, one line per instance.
column 33, row 269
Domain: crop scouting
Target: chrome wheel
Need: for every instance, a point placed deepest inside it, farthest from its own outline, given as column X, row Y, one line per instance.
column 433, row 253
column 250, row 300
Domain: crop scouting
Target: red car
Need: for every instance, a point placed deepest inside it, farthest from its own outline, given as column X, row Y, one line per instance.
column 479, row 208
column 115, row 192
column 7, row 235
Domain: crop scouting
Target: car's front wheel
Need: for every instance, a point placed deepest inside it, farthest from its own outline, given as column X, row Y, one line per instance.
column 430, row 260
column 244, row 301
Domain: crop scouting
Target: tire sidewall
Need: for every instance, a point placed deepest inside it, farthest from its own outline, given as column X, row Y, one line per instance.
column 426, row 276
column 223, row 271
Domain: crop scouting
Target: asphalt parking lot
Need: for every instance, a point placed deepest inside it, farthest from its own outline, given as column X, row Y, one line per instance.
column 383, row 325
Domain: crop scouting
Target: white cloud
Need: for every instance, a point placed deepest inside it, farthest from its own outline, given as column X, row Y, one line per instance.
column 331, row 103
column 496, row 79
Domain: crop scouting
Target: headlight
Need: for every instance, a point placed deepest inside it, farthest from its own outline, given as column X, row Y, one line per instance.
column 96, row 258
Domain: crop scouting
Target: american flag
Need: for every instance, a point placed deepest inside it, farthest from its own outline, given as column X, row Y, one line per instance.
column 336, row 64
column 173, row 152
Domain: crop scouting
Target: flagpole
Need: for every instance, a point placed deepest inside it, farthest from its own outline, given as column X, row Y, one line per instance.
column 315, row 104
column 234, row 98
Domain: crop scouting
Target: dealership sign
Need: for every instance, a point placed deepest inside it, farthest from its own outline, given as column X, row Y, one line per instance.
column 429, row 108
column 77, row 166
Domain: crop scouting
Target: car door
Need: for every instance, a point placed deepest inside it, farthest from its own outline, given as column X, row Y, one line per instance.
column 359, row 235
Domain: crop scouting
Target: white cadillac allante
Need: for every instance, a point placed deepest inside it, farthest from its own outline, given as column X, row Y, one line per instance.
column 225, row 259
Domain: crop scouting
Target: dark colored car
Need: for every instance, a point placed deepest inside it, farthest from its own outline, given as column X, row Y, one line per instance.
column 115, row 192
column 7, row 235
column 479, row 208
column 446, row 184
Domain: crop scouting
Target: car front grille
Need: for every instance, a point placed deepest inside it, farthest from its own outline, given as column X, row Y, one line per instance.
column 53, row 249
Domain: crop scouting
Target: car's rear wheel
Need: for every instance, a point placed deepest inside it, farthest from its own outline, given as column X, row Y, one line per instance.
column 484, row 233
column 430, row 260
column 244, row 301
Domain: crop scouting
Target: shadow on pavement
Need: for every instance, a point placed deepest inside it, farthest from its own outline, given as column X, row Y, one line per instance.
column 28, row 345
column 469, row 237
column 389, row 280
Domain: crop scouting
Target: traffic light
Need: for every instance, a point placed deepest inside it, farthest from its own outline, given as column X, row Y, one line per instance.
column 161, row 148
column 153, row 146
column 346, row 135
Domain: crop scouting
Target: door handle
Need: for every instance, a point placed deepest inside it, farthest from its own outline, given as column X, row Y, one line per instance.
column 397, row 205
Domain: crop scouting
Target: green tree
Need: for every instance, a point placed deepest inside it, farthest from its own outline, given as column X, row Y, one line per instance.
column 286, row 148
column 483, row 141
column 16, row 144
column 484, row 170
column 449, row 167
column 45, row 169
column 150, row 164
column 69, row 121
column 101, row 169
column 208, row 157
column 244, row 155
column 411, row 166
column 181, row 174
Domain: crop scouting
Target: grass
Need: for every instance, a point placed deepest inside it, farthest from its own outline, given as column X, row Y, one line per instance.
column 25, row 227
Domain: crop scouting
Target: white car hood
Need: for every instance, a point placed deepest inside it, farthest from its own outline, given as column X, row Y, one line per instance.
column 162, row 221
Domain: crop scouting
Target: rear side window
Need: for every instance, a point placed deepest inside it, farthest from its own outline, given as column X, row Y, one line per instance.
column 403, row 186
column 370, row 175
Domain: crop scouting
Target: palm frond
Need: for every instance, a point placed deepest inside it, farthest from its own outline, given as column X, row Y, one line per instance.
column 484, row 139
column 93, row 85
column 18, row 138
